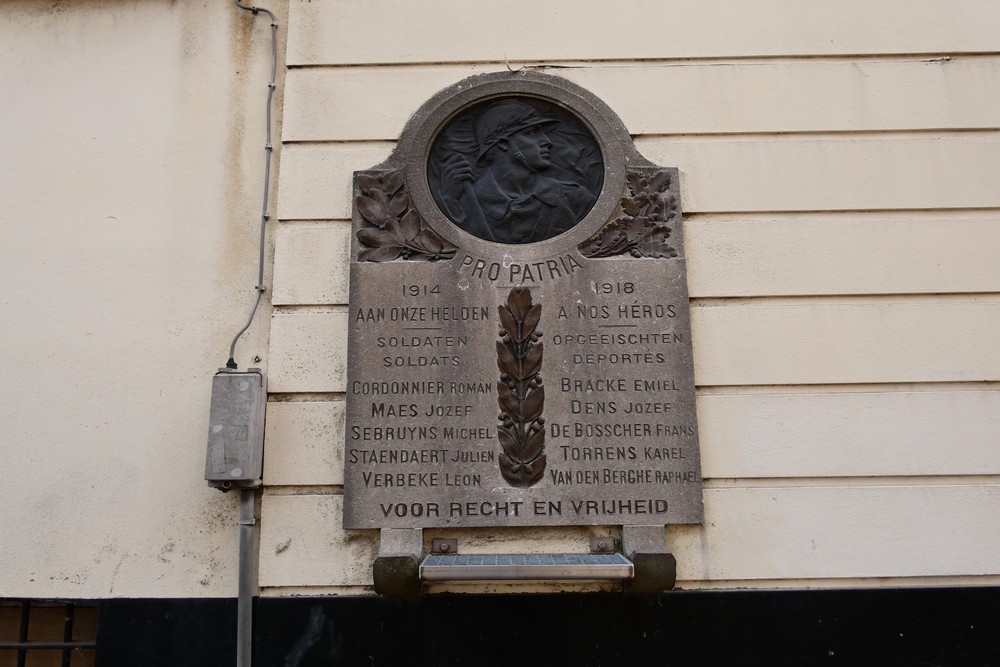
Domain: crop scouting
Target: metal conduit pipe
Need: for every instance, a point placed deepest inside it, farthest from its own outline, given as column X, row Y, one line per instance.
column 249, row 536
column 249, row 533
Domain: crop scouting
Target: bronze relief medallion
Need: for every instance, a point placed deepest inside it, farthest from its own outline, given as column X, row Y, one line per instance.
column 515, row 170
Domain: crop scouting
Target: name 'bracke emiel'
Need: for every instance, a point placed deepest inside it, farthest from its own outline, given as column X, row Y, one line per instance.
column 520, row 340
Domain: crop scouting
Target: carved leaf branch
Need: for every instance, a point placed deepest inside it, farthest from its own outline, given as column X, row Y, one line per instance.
column 648, row 209
column 392, row 228
column 520, row 392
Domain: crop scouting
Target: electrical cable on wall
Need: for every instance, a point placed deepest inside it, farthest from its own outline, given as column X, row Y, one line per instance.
column 268, row 150
column 248, row 522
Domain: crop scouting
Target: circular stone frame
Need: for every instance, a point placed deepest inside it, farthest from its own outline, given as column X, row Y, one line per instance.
column 433, row 116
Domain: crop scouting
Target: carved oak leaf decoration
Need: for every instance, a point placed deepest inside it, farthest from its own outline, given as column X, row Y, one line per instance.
column 652, row 242
column 382, row 245
column 652, row 184
column 394, row 230
column 643, row 231
column 520, row 393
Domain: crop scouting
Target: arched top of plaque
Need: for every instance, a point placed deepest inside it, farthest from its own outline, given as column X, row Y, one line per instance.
column 511, row 159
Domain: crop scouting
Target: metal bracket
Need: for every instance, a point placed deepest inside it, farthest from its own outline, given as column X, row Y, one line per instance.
column 444, row 546
column 655, row 566
column 602, row 545
column 395, row 570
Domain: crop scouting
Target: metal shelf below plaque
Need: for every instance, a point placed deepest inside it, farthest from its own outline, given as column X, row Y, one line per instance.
column 541, row 567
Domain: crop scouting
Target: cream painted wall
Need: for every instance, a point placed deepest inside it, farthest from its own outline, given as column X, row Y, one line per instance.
column 839, row 170
column 839, row 167
column 130, row 174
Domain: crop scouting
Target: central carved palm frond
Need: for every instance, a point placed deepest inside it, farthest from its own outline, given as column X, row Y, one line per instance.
column 520, row 391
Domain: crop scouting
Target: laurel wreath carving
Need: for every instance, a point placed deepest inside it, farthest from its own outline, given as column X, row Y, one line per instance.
column 642, row 231
column 393, row 229
column 520, row 392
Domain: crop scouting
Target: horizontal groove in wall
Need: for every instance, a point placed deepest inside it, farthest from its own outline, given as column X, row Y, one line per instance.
column 842, row 299
column 302, row 490
column 847, row 582
column 850, row 482
column 693, row 61
column 726, row 216
column 306, row 397
column 556, row 64
column 288, row 308
column 816, row 134
column 897, row 211
column 874, row 386
column 553, row 65
column 887, row 133
column 310, row 143
column 760, row 214
column 749, row 217
column 869, row 388
column 859, row 215
column 880, row 135
column 845, row 135
column 318, row 223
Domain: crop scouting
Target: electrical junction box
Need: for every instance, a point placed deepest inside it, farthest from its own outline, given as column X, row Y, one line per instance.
column 236, row 429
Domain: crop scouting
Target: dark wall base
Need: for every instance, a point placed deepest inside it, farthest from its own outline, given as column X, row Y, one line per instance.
column 860, row 627
column 158, row 633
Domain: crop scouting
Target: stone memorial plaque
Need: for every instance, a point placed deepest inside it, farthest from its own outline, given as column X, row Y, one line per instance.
column 520, row 341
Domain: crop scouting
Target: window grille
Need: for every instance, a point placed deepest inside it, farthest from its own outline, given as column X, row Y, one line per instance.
column 35, row 633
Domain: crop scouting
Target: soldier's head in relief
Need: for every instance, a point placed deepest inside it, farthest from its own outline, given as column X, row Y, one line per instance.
column 509, row 175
